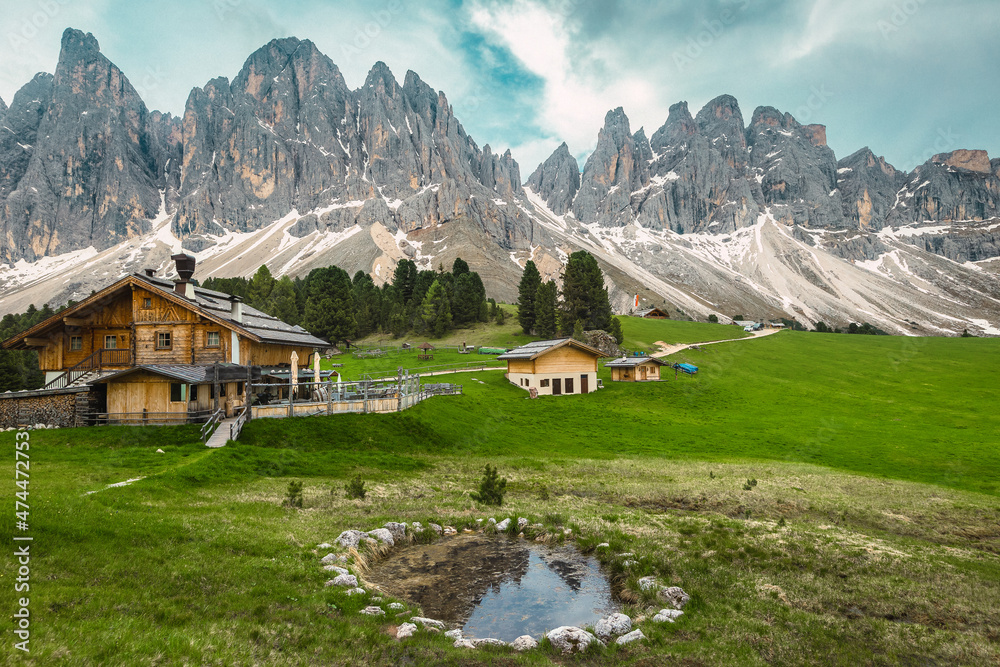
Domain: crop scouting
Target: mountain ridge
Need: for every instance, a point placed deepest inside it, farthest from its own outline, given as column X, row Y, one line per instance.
column 285, row 164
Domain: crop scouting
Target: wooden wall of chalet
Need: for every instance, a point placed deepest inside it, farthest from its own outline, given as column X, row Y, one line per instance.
column 635, row 374
column 525, row 366
column 188, row 333
column 113, row 320
column 268, row 354
column 142, row 391
column 566, row 359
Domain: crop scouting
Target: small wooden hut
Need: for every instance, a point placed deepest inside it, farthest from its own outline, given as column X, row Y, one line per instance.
column 635, row 369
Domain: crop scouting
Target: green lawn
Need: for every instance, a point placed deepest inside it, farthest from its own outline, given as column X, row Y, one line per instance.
column 871, row 537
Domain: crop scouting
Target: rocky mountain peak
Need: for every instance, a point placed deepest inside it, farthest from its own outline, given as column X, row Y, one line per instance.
column 557, row 180
column 678, row 128
column 723, row 111
column 970, row 160
column 76, row 44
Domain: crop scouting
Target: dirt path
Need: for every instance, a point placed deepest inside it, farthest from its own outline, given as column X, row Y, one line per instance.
column 668, row 349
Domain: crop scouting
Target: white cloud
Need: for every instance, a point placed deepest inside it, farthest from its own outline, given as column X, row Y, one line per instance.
column 574, row 101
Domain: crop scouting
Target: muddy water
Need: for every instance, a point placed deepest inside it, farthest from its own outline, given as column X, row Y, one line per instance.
column 497, row 586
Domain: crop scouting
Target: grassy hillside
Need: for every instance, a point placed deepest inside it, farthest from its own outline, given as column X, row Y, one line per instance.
column 642, row 334
column 871, row 536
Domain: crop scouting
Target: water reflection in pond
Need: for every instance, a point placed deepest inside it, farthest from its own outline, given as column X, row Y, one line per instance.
column 498, row 586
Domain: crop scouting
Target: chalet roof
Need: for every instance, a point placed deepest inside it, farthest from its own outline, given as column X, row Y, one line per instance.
column 215, row 306
column 647, row 311
column 540, row 347
column 186, row 373
column 425, row 346
column 266, row 327
column 632, row 362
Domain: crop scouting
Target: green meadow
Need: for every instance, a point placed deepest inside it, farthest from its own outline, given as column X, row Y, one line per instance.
column 871, row 534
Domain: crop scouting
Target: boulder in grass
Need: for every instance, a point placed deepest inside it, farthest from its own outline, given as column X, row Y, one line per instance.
column 570, row 639
column 634, row 636
column 436, row 528
column 383, row 535
column 612, row 626
column 372, row 610
column 488, row 641
column 463, row 643
column 674, row 596
column 524, row 643
column 329, row 558
column 428, row 621
column 396, row 606
column 647, row 583
column 398, row 530
column 350, row 538
column 356, row 591
column 336, row 568
column 405, row 630
column 345, row 580
column 503, row 525
column 453, row 634
column 668, row 615
column 522, row 523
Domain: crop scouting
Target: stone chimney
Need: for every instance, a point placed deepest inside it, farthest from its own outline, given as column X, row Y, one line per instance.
column 185, row 269
column 149, row 272
column 237, row 309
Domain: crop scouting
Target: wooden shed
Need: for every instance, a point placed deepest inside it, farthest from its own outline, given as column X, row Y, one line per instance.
column 553, row 367
column 635, row 369
column 652, row 314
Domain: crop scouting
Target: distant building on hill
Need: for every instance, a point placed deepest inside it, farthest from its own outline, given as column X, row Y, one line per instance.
column 652, row 314
column 553, row 367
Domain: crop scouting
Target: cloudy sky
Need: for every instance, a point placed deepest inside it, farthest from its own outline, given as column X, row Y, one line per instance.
column 908, row 78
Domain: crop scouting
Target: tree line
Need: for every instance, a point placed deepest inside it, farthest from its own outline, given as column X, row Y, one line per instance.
column 581, row 305
column 330, row 304
column 19, row 368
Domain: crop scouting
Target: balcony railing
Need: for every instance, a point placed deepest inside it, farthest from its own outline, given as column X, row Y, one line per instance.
column 100, row 360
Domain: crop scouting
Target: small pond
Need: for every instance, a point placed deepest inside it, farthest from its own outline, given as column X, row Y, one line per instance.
column 498, row 586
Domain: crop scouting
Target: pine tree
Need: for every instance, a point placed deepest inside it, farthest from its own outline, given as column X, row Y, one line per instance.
column 436, row 311
column 329, row 311
column 367, row 303
column 545, row 309
column 459, row 266
column 282, row 301
column 578, row 331
column 260, row 288
column 585, row 297
column 526, row 290
column 404, row 278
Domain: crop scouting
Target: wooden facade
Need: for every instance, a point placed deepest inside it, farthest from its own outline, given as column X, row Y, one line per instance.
column 141, row 326
column 645, row 371
column 553, row 367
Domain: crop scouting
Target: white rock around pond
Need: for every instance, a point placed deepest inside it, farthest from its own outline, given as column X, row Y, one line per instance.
column 405, row 630
column 398, row 530
column 668, row 615
column 345, row 580
column 383, row 535
column 350, row 538
column 634, row 636
column 674, row 596
column 372, row 610
column 503, row 525
column 524, row 643
column 569, row 639
column 612, row 626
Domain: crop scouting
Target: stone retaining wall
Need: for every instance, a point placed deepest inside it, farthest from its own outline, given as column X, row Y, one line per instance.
column 62, row 407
